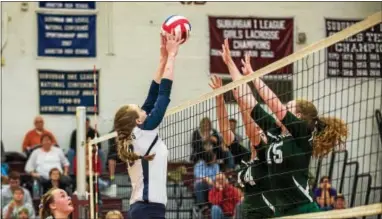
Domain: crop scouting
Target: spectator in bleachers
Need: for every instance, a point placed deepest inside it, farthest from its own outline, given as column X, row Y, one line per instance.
column 224, row 197
column 205, row 139
column 233, row 126
column 11, row 210
column 54, row 181
column 33, row 137
column 90, row 133
column 14, row 183
column 24, row 214
column 339, row 202
column 205, row 172
column 325, row 194
column 43, row 159
column 114, row 215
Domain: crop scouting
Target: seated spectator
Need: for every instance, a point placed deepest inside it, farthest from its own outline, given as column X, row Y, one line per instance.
column 205, row 139
column 325, row 194
column 112, row 160
column 97, row 168
column 24, row 214
column 14, row 183
column 54, row 181
column 339, row 202
column 224, row 197
column 33, row 137
column 114, row 215
column 90, row 133
column 204, row 172
column 43, row 159
column 12, row 209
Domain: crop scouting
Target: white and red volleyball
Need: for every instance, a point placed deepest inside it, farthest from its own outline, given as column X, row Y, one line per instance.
column 179, row 24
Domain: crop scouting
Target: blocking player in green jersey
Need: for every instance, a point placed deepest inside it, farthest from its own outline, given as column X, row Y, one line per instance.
column 253, row 174
column 288, row 155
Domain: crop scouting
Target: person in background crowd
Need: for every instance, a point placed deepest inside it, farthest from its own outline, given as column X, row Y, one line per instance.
column 90, row 133
column 325, row 194
column 4, row 166
column 233, row 126
column 11, row 210
column 14, row 183
column 205, row 171
column 24, row 214
column 205, row 139
column 224, row 198
column 112, row 160
column 114, row 215
column 339, row 202
column 43, row 159
column 33, row 137
column 54, row 181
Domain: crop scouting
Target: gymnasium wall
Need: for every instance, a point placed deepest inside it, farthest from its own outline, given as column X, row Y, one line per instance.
column 131, row 33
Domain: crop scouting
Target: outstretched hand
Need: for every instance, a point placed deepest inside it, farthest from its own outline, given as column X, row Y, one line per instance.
column 173, row 42
column 247, row 68
column 216, row 82
column 226, row 52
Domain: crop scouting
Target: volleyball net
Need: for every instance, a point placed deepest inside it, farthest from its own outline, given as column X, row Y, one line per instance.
column 192, row 131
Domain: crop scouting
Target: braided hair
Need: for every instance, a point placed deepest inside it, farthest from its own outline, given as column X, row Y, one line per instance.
column 125, row 121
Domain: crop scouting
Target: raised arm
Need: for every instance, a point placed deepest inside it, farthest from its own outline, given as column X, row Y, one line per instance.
column 154, row 88
column 221, row 112
column 265, row 92
column 252, row 130
column 156, row 115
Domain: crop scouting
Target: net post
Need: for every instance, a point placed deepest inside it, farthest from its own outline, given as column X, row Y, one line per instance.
column 80, row 152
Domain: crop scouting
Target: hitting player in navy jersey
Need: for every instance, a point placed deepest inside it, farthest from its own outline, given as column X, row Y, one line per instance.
column 139, row 144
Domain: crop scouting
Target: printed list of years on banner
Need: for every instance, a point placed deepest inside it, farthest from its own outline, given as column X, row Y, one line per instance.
column 62, row 91
column 66, row 35
column 357, row 56
column 266, row 40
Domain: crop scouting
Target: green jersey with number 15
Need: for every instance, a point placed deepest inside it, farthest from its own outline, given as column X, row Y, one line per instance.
column 288, row 157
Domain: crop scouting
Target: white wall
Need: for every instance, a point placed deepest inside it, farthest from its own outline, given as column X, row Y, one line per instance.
column 125, row 77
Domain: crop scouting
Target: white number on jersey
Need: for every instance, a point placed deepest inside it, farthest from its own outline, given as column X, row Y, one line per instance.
column 248, row 178
column 277, row 153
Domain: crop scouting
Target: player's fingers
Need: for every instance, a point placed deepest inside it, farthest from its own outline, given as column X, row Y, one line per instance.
column 226, row 43
column 242, row 62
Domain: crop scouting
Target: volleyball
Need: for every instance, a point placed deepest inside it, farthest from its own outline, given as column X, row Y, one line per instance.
column 179, row 24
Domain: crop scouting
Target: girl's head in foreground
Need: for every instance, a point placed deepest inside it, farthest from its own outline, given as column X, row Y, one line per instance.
column 125, row 120
column 328, row 131
column 114, row 215
column 56, row 203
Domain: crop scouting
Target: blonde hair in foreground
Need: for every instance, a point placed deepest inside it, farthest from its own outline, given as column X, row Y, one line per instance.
column 125, row 121
column 331, row 131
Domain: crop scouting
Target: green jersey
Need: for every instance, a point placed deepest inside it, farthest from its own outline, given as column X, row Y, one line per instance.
column 288, row 157
column 253, row 178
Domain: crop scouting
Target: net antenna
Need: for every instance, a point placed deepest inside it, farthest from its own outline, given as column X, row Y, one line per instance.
column 367, row 23
column 93, row 176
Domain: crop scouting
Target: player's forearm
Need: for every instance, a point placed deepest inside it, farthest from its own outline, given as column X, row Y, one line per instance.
column 223, row 121
column 270, row 99
column 160, row 71
column 252, row 130
column 233, row 70
column 169, row 68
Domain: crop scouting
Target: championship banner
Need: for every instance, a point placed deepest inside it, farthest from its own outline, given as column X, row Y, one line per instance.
column 68, row 5
column 66, row 35
column 356, row 56
column 62, row 91
column 265, row 39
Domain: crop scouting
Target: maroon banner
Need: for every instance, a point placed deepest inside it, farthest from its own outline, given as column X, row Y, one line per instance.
column 265, row 39
column 357, row 56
